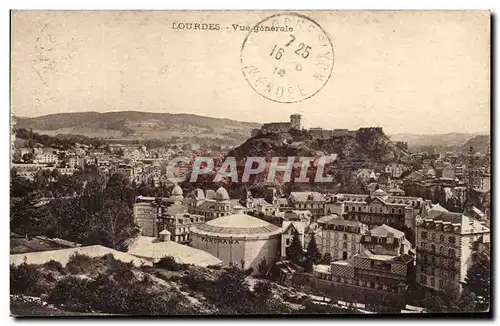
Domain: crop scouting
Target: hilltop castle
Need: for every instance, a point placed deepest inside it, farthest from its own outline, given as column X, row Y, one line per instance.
column 295, row 123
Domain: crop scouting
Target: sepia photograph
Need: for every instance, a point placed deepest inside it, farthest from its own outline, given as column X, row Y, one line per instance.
column 250, row 162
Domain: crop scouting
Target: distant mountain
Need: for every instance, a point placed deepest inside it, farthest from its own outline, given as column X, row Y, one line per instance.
column 440, row 140
column 139, row 125
column 479, row 143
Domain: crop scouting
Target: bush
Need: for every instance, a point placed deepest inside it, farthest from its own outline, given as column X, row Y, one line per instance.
column 25, row 279
column 79, row 264
column 196, row 281
column 170, row 264
column 55, row 266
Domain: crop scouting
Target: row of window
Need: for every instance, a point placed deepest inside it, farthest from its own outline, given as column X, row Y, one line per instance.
column 444, row 262
column 431, row 281
column 442, row 250
column 329, row 244
column 424, row 235
column 362, row 283
column 438, row 272
column 373, row 210
column 335, row 236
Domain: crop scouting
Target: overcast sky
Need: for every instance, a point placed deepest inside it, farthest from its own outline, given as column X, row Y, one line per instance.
column 412, row 72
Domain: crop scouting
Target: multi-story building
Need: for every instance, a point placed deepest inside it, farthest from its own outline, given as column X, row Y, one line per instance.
column 446, row 242
column 340, row 238
column 395, row 170
column 45, row 156
column 150, row 212
column 307, row 200
column 376, row 209
column 446, row 171
column 212, row 205
column 386, row 240
column 179, row 225
column 380, row 273
column 460, row 170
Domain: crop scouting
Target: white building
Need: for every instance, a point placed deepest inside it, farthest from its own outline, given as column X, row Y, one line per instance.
column 238, row 239
column 446, row 242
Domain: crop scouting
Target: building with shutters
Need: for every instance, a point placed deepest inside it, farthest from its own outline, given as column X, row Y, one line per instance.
column 376, row 208
column 446, row 243
column 340, row 238
column 383, row 269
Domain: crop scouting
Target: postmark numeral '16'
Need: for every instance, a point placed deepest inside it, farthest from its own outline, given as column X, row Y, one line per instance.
column 302, row 50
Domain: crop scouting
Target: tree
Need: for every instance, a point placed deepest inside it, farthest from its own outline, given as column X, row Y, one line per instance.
column 478, row 280
column 313, row 253
column 294, row 252
column 327, row 259
column 450, row 299
column 28, row 158
column 262, row 268
column 115, row 223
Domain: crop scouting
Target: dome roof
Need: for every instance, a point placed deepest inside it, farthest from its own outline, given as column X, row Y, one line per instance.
column 237, row 225
column 221, row 194
column 177, row 191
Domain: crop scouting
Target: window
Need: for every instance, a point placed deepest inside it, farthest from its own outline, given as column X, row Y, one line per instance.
column 359, row 208
column 353, row 246
column 441, row 237
column 344, row 245
column 451, row 252
column 423, row 235
column 433, row 236
column 422, row 245
column 344, row 236
column 432, row 281
column 441, row 250
column 440, row 284
column 451, row 239
column 287, row 242
column 433, row 248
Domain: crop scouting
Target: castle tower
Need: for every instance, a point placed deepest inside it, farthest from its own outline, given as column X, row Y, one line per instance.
column 295, row 121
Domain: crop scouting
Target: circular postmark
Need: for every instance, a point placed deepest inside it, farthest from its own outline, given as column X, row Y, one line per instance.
column 287, row 58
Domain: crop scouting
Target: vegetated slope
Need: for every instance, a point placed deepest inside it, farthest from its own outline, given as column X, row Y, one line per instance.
column 441, row 140
column 146, row 125
column 480, row 143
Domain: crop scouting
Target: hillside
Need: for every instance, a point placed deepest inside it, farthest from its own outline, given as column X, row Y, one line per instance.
column 367, row 144
column 441, row 140
column 106, row 285
column 138, row 125
column 480, row 143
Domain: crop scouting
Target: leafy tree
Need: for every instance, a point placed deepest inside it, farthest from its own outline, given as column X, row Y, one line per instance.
column 327, row 259
column 294, row 252
column 28, row 158
column 450, row 300
column 478, row 280
column 230, row 291
column 115, row 223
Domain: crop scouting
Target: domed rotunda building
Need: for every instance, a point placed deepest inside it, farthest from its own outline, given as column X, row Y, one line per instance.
column 238, row 239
